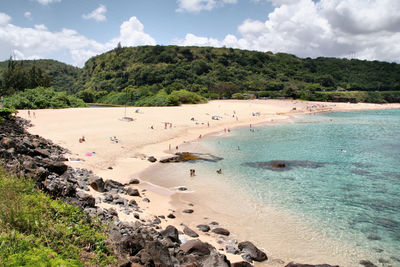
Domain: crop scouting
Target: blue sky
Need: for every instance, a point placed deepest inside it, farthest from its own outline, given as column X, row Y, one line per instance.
column 74, row 30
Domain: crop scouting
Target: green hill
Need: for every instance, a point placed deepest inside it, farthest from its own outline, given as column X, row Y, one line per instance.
column 222, row 72
column 169, row 75
column 62, row 76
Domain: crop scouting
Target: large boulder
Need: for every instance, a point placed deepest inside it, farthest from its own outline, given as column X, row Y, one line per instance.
column 85, row 200
column 196, row 247
column 172, row 233
column 97, row 184
column 216, row 259
column 252, row 251
column 57, row 167
column 111, row 184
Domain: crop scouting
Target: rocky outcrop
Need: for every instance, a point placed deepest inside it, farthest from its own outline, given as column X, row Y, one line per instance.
column 251, row 252
column 188, row 156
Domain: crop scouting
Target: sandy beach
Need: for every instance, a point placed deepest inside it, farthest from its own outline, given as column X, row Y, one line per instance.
column 118, row 149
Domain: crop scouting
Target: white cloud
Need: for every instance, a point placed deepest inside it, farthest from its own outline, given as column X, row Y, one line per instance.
column 338, row 28
column 98, row 14
column 199, row 5
column 39, row 42
column 132, row 34
column 28, row 15
column 4, row 19
column 46, row 2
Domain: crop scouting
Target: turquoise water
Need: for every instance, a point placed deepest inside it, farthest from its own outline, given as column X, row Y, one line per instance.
column 353, row 194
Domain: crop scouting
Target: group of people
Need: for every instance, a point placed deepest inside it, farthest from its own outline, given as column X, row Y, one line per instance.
column 192, row 172
column 82, row 139
column 29, row 114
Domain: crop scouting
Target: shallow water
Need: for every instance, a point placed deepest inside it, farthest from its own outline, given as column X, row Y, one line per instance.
column 340, row 175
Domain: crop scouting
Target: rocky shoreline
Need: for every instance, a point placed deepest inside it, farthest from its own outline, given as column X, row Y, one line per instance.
column 138, row 243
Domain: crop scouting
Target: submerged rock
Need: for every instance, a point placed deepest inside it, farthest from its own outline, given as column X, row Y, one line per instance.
column 188, row 156
column 285, row 165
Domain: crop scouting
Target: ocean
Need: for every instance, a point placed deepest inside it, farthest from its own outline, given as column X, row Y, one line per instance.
column 337, row 173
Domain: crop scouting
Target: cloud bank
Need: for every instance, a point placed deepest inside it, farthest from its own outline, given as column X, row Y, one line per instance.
column 39, row 42
column 334, row 28
column 196, row 6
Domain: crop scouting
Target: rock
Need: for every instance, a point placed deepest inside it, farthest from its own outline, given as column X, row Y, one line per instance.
column 57, row 167
column 241, row 264
column 42, row 152
column 132, row 202
column 249, row 249
column 146, row 200
column 216, row 259
column 187, row 211
column 111, row 184
column 172, row 233
column 190, row 232
column 112, row 212
column 293, row 264
column 196, row 247
column 7, row 142
column 155, row 254
column 220, row 231
column 133, row 192
column 97, row 184
column 203, row 227
column 231, row 249
column 152, row 159
column 136, row 215
column 182, row 188
column 85, row 200
column 156, row 220
column 108, row 198
column 119, row 201
column 171, row 216
column 367, row 263
column 214, row 223
column 134, row 181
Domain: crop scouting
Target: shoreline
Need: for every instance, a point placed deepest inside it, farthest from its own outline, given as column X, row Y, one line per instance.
column 162, row 203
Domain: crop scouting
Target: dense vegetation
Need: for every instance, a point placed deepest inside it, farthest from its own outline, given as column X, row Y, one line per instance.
column 36, row 230
column 43, row 97
column 171, row 75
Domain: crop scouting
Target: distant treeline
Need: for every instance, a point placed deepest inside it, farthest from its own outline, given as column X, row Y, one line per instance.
column 171, row 75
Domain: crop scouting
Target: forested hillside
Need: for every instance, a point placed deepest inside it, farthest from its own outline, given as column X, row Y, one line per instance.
column 171, row 75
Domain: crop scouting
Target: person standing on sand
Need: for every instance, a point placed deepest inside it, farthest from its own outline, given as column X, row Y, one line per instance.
column 29, row 113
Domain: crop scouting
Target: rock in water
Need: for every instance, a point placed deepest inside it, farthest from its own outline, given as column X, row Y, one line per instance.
column 152, row 159
column 252, row 251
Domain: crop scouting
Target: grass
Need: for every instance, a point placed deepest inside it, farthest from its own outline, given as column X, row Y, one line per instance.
column 36, row 230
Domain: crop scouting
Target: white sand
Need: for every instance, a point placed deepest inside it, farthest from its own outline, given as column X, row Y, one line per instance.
column 137, row 141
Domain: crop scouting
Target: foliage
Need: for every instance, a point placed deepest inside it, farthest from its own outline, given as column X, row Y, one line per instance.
column 42, row 97
column 135, row 75
column 6, row 112
column 36, row 230
column 34, row 73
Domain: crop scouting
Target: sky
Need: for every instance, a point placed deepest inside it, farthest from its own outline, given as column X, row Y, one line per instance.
column 72, row 31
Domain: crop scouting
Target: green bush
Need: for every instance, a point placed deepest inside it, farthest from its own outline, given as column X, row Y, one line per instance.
column 36, row 230
column 43, row 97
column 238, row 96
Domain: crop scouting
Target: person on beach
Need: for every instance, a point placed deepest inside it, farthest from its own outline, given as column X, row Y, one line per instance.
column 29, row 113
column 34, row 114
column 200, row 136
column 238, row 147
column 208, row 124
column 219, row 171
column 177, row 147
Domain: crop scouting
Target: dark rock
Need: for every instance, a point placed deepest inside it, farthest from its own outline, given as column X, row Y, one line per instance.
column 293, row 264
column 231, row 249
column 367, row 263
column 136, row 215
column 188, row 211
column 374, row 237
column 111, row 184
column 203, row 227
column 241, row 264
column 156, row 220
column 285, row 165
column 85, row 200
column 132, row 202
column 97, row 184
column 172, row 233
column 220, row 231
column 7, row 142
column 161, row 216
column 189, row 232
column 187, row 156
column 182, row 188
column 133, row 192
column 57, row 167
column 119, row 201
column 214, row 223
column 152, row 159
column 108, row 198
column 249, row 249
column 112, row 212
column 196, row 247
column 146, row 200
column 171, row 216
column 134, row 181
column 155, row 254
column 216, row 259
